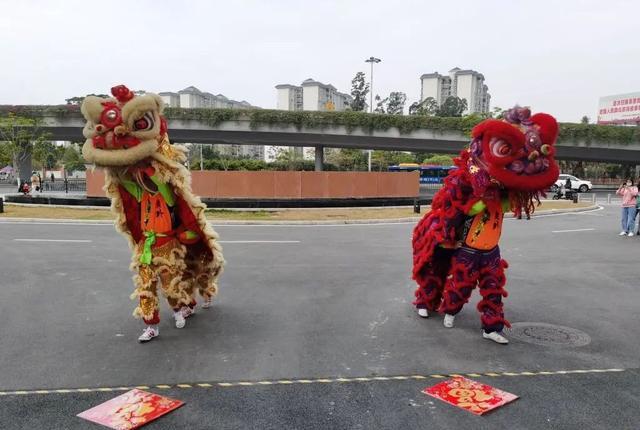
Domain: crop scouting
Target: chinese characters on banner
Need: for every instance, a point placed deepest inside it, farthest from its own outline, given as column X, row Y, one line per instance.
column 470, row 395
column 619, row 109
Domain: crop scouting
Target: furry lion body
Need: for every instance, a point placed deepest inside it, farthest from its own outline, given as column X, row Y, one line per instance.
column 180, row 269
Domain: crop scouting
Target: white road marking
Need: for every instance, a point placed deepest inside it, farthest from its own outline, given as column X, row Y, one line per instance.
column 54, row 240
column 259, row 241
column 587, row 212
column 225, row 225
column 222, row 241
column 375, row 224
column 56, row 223
column 571, row 231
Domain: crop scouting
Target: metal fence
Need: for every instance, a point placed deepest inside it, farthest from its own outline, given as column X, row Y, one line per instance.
column 610, row 198
column 65, row 185
column 69, row 185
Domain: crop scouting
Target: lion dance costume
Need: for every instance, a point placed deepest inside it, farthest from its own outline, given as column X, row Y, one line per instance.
column 150, row 189
column 507, row 167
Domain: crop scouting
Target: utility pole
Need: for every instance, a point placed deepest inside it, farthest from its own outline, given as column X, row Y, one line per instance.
column 372, row 61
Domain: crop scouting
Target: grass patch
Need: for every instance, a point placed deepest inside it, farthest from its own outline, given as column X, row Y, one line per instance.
column 225, row 214
column 329, row 214
column 11, row 211
column 562, row 204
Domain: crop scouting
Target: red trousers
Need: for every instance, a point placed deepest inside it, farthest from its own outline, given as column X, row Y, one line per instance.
column 448, row 292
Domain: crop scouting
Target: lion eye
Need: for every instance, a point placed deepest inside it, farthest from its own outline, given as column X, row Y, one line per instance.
column 500, row 148
column 144, row 123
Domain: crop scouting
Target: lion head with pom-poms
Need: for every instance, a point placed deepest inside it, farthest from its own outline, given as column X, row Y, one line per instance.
column 124, row 129
column 516, row 154
column 518, row 151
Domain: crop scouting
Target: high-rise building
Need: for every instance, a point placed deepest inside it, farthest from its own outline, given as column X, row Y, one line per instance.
column 192, row 97
column 311, row 95
column 289, row 97
column 465, row 84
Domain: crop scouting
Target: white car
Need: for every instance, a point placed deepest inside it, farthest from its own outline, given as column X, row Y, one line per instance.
column 576, row 184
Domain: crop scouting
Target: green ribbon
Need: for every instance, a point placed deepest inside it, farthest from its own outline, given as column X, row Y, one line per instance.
column 146, row 256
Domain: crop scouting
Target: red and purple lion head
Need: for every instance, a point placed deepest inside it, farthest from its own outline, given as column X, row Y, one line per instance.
column 518, row 151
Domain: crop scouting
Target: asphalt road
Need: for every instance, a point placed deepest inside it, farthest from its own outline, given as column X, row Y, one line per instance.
column 328, row 302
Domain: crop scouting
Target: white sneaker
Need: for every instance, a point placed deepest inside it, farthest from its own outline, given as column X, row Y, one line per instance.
column 630, row 234
column 622, row 233
column 207, row 303
column 448, row 320
column 496, row 337
column 423, row 313
column 149, row 333
column 187, row 311
column 179, row 319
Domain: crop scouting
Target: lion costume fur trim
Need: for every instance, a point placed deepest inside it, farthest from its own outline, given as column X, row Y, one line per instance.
column 167, row 164
column 119, row 158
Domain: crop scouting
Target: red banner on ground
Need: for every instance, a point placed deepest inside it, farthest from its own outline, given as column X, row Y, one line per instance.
column 131, row 410
column 470, row 395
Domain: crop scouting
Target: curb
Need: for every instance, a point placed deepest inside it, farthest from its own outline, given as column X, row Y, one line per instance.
column 44, row 205
column 283, row 222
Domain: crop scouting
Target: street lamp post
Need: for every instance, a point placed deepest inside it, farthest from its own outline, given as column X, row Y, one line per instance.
column 372, row 61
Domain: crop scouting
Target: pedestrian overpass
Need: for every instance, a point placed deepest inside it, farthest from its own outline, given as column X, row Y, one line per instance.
column 241, row 128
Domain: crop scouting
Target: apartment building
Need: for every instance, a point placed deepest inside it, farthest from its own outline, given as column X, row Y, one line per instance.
column 465, row 84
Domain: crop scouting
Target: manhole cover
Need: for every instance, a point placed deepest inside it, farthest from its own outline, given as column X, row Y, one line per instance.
column 547, row 334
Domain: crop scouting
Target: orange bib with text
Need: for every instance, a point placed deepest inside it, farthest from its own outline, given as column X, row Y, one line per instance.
column 485, row 229
column 154, row 213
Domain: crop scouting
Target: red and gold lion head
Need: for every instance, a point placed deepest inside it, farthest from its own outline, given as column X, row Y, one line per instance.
column 122, row 130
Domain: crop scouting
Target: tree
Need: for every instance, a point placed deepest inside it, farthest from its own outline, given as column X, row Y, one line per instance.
column 419, row 157
column 381, row 104
column 6, row 157
column 381, row 160
column 288, row 156
column 452, row 107
column 46, row 154
column 439, row 160
column 73, row 160
column 427, row 107
column 584, row 120
column 497, row 112
column 392, row 105
column 78, row 100
column 19, row 134
column 348, row 159
column 359, row 91
column 395, row 105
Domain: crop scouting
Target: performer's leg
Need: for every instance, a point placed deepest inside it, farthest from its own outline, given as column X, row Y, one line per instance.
column 431, row 283
column 167, row 277
column 491, row 284
column 201, row 279
column 146, row 282
column 462, row 279
column 168, row 261
column 190, row 289
column 429, row 292
column 192, row 276
column 207, row 289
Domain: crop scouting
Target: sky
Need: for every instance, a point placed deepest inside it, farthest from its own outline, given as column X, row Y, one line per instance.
column 555, row 56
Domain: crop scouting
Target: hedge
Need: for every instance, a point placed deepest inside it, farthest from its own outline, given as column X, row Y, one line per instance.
column 350, row 120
